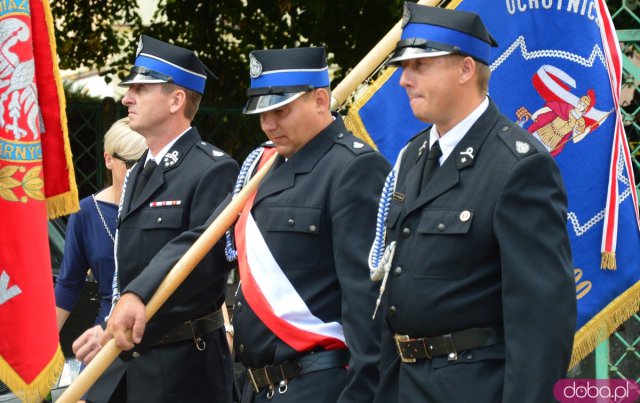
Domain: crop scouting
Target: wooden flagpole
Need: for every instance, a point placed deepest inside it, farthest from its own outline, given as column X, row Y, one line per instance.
column 216, row 230
column 370, row 62
column 171, row 282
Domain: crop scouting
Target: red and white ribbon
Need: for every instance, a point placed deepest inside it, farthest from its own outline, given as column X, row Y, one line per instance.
column 271, row 295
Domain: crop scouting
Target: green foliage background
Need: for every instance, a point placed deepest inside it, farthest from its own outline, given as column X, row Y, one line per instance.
column 103, row 34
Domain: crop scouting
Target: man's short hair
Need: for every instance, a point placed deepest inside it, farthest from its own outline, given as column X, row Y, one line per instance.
column 192, row 98
column 483, row 71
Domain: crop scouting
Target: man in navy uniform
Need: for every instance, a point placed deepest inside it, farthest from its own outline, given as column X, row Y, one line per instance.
column 480, row 301
column 182, row 353
column 313, row 215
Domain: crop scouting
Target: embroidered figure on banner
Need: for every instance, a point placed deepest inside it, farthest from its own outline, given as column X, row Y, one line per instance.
column 17, row 83
column 565, row 117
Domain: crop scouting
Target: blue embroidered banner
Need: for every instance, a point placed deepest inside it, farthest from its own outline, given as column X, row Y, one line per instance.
column 557, row 73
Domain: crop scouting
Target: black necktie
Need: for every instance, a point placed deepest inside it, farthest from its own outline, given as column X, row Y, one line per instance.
column 143, row 178
column 432, row 164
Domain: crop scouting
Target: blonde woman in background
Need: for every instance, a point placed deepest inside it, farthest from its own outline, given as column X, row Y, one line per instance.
column 91, row 231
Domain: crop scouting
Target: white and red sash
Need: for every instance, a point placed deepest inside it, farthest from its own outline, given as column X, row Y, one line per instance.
column 271, row 295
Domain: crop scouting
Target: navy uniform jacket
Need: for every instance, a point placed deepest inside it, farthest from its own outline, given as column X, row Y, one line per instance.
column 332, row 183
column 198, row 176
column 485, row 245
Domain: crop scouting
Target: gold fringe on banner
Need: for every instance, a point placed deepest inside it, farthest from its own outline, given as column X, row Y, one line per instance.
column 352, row 121
column 602, row 325
column 608, row 261
column 37, row 390
column 64, row 203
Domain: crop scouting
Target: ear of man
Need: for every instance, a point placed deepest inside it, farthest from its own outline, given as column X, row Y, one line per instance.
column 178, row 100
column 322, row 100
column 468, row 68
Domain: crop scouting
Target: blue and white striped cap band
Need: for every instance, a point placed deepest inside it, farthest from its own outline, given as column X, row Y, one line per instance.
column 160, row 62
column 439, row 39
column 280, row 76
column 433, row 31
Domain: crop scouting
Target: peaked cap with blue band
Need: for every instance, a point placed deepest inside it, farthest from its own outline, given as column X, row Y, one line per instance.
column 160, row 62
column 279, row 76
column 434, row 31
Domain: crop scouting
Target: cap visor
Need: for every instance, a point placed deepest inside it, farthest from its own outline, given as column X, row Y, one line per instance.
column 134, row 78
column 264, row 103
column 413, row 53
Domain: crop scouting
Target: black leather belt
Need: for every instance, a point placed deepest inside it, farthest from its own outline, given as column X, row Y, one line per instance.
column 412, row 349
column 282, row 373
column 194, row 330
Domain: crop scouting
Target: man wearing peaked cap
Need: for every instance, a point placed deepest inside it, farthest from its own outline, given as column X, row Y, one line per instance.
column 181, row 354
column 479, row 302
column 313, row 215
column 279, row 76
column 159, row 62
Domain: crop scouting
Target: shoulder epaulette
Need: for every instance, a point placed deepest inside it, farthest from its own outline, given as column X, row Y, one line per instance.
column 212, row 151
column 352, row 143
column 519, row 141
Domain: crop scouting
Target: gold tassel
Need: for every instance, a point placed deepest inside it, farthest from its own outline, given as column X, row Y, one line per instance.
column 608, row 261
column 352, row 121
column 40, row 386
column 63, row 204
column 605, row 323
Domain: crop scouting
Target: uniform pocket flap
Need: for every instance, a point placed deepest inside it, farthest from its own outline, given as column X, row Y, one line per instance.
column 293, row 219
column 161, row 217
column 445, row 221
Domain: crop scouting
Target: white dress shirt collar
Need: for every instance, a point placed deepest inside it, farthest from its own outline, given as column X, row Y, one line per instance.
column 158, row 158
column 453, row 136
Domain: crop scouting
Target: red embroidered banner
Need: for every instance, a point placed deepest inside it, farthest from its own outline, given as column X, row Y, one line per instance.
column 36, row 182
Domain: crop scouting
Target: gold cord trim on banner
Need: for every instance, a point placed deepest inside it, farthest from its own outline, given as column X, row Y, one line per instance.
column 353, row 121
column 67, row 202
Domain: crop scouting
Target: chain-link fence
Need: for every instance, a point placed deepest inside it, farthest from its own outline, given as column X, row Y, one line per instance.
column 227, row 128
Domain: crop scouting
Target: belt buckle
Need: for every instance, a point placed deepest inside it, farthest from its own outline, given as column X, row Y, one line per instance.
column 399, row 339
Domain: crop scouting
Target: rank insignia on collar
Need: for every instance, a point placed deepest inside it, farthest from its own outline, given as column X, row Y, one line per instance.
column 422, row 148
column 522, row 147
column 170, row 158
column 468, row 151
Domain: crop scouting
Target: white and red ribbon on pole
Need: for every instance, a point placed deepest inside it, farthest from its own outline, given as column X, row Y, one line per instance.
column 614, row 69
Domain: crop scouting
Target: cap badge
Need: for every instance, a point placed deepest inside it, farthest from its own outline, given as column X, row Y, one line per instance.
column 522, row 147
column 406, row 16
column 139, row 49
column 170, row 158
column 357, row 144
column 255, row 68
